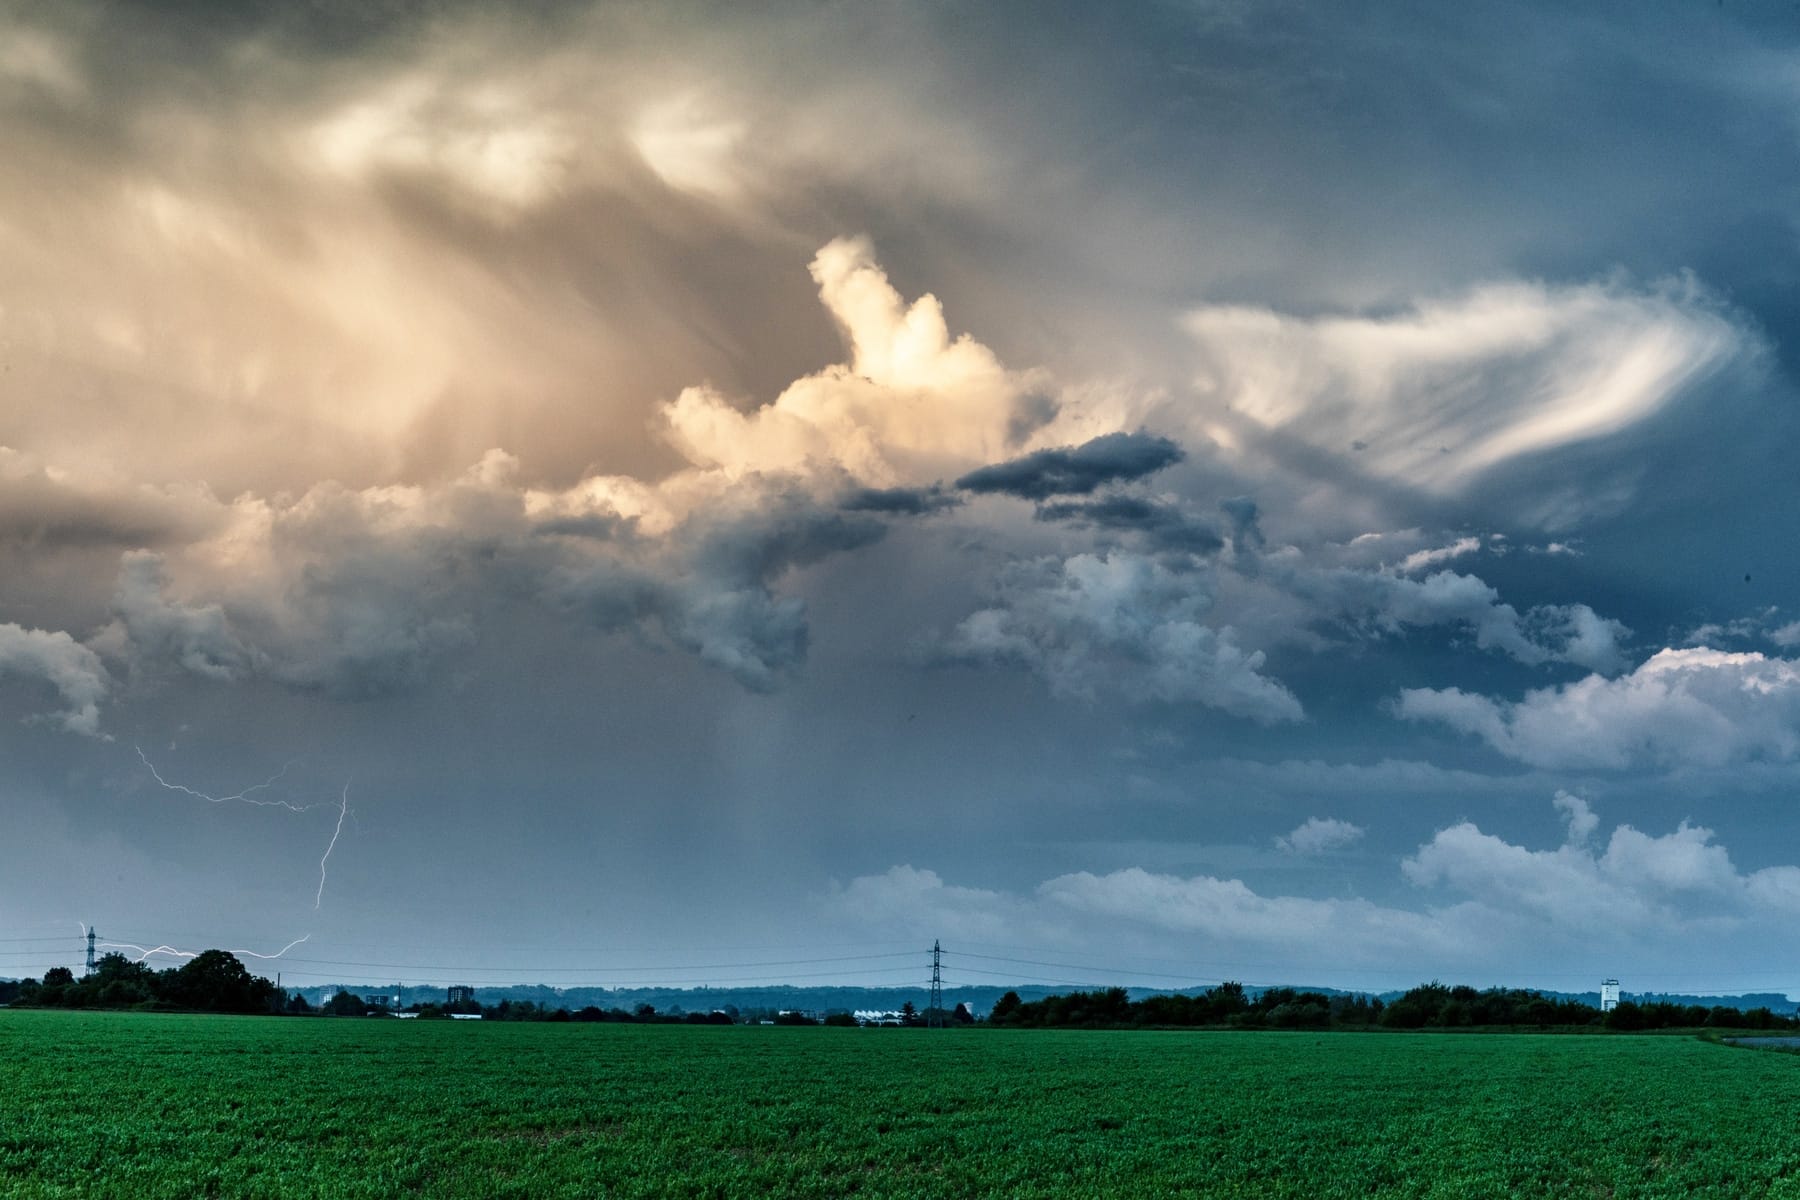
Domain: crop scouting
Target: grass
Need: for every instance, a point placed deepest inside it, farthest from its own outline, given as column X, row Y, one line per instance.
column 130, row 1105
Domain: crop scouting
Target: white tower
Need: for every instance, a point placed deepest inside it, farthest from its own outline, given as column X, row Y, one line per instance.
column 1609, row 995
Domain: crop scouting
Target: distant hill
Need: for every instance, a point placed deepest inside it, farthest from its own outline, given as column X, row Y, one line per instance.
column 806, row 999
column 979, row 999
column 848, row 999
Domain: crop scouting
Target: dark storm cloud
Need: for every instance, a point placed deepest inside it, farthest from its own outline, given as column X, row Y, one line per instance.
column 601, row 528
column 712, row 591
column 899, row 501
column 1246, row 534
column 1076, row 470
column 369, row 594
column 783, row 532
column 1164, row 525
column 46, row 513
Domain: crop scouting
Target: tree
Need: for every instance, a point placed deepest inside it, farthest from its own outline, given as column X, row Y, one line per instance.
column 1227, row 1000
column 54, row 993
column 215, row 981
column 118, row 982
column 1005, row 1008
column 346, row 1004
column 1626, row 1015
column 908, row 1014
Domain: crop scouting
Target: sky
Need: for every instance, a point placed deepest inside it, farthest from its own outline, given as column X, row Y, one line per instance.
column 608, row 493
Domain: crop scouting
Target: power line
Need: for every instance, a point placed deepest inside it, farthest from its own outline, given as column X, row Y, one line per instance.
column 32, row 968
column 559, row 948
column 1414, row 972
column 642, row 968
column 451, row 975
column 1012, row 977
column 4, row 954
column 1113, row 971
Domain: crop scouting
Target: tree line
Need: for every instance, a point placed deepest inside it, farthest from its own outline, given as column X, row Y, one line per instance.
column 211, row 981
column 215, row 981
column 1428, row 1006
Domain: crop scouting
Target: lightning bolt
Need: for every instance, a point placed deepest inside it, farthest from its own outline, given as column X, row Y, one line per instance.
column 144, row 952
column 243, row 797
column 247, row 796
column 343, row 811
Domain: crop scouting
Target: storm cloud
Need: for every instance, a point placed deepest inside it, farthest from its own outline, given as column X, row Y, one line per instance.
column 1076, row 470
column 1119, row 621
column 53, row 657
column 1163, row 525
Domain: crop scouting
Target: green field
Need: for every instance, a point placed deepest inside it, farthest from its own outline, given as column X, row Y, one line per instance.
column 122, row 1104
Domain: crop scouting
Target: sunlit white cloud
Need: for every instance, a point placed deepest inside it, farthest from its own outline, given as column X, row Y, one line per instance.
column 1694, row 706
column 1418, row 560
column 1320, row 835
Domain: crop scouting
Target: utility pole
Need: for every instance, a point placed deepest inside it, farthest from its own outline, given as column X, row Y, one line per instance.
column 934, row 1015
column 90, row 958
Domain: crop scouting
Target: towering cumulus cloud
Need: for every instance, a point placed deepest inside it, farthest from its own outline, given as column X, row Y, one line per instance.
column 911, row 402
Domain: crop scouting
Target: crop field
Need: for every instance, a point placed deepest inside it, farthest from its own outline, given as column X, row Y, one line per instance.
column 123, row 1104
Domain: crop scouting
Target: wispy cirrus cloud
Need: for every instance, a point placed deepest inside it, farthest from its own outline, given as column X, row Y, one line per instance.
column 1436, row 396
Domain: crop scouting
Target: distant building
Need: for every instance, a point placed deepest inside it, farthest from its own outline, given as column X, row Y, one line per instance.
column 462, row 995
column 1609, row 995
